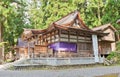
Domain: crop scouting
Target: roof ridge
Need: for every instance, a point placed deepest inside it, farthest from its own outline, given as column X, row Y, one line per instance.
column 65, row 16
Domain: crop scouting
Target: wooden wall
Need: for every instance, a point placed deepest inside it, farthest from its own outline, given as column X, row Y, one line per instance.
column 64, row 36
column 48, row 38
column 85, row 49
column 83, row 40
column 110, row 36
column 40, row 50
column 104, row 47
column 23, row 52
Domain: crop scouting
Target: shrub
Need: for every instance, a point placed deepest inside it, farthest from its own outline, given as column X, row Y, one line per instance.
column 114, row 56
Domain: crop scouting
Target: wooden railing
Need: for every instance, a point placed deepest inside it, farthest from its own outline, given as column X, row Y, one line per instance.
column 64, row 61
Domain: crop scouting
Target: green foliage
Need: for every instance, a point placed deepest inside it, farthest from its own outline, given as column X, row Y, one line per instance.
column 118, row 46
column 2, row 43
column 11, row 21
column 112, row 55
column 93, row 12
column 49, row 11
column 111, row 13
column 41, row 13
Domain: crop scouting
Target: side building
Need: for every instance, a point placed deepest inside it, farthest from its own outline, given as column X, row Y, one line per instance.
column 107, row 43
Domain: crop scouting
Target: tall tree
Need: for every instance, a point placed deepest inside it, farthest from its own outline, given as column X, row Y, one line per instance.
column 49, row 11
column 93, row 12
column 111, row 13
column 12, row 21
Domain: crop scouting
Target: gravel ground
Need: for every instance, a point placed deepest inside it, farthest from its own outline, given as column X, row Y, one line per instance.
column 81, row 72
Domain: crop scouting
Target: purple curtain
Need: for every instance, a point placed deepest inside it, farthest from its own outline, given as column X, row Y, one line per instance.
column 64, row 46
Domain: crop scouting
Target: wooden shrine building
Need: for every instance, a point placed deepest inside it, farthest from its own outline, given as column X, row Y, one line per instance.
column 70, row 37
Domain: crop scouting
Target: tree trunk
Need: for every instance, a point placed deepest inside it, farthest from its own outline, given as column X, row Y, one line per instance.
column 1, row 40
column 98, row 13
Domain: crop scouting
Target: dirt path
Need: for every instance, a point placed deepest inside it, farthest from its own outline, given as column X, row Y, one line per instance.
column 82, row 72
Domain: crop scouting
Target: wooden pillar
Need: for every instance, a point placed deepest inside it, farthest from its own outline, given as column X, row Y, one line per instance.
column 68, row 36
column 46, row 41
column 50, row 37
column 59, row 33
column 47, row 55
column 69, row 42
column 39, row 40
column 95, row 47
column 77, row 36
column 77, row 42
column 84, row 34
column 54, row 36
column 28, row 50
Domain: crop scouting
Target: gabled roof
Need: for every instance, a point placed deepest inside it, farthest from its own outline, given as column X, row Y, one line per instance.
column 70, row 19
column 67, row 22
column 28, row 33
column 103, row 27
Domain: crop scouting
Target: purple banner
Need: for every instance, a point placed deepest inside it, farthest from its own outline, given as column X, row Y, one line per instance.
column 64, row 46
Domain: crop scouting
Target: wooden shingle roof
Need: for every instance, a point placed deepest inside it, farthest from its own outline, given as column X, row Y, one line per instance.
column 103, row 27
column 70, row 20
